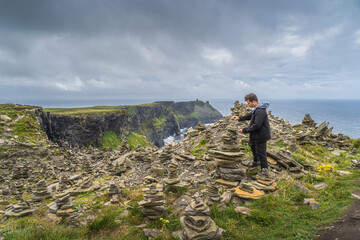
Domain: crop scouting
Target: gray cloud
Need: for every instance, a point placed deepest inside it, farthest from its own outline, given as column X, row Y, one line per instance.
column 174, row 50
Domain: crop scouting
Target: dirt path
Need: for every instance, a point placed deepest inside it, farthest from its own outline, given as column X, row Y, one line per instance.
column 348, row 227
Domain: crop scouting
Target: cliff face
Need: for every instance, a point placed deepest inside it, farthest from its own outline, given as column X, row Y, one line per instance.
column 156, row 121
column 190, row 113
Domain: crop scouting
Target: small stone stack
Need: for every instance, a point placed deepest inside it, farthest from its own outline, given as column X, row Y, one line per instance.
column 200, row 127
column 19, row 210
column 196, row 223
column 114, row 192
column 228, row 160
column 165, row 155
column 20, row 171
column 173, row 183
column 19, row 186
column 153, row 205
column 212, row 194
column 109, row 168
column 87, row 167
column 308, row 121
column 63, row 182
column 41, row 192
column 265, row 183
column 62, row 207
column 247, row 191
column 5, row 190
column 355, row 164
column 86, row 185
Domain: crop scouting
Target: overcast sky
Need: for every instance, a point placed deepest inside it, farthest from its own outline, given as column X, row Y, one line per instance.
column 54, row 50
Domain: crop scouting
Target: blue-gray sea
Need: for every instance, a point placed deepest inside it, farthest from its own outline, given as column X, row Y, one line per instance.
column 343, row 115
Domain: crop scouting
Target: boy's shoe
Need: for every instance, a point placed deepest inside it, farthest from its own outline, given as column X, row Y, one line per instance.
column 264, row 175
column 255, row 164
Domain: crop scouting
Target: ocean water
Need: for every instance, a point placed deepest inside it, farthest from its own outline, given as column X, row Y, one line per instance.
column 343, row 115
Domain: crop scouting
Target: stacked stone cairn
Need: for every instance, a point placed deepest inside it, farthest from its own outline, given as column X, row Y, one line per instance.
column 173, row 183
column 265, row 182
column 19, row 186
column 153, row 205
column 228, row 160
column 87, row 168
column 196, row 223
column 63, row 182
column 140, row 154
column 86, row 185
column 40, row 192
column 212, row 194
column 114, row 192
column 308, row 121
column 355, row 164
column 247, row 191
column 19, row 210
column 200, row 127
column 310, row 134
column 20, row 171
column 5, row 190
column 165, row 155
column 62, row 207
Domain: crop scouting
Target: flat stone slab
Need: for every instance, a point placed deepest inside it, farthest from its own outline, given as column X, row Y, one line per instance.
column 320, row 186
column 77, row 191
column 301, row 186
column 243, row 210
column 243, row 194
column 342, row 173
column 230, row 155
column 19, row 214
column 227, row 183
column 356, row 195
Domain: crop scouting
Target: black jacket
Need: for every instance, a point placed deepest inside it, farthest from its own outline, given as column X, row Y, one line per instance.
column 259, row 127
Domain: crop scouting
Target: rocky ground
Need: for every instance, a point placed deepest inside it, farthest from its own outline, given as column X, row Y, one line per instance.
column 210, row 166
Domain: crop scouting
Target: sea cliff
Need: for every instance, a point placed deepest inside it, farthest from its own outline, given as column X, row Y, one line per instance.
column 156, row 121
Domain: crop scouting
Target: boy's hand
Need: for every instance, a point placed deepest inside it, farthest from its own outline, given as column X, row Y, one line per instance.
column 240, row 131
column 235, row 118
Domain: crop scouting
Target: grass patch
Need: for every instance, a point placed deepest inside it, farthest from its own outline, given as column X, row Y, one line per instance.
column 110, row 139
column 27, row 129
column 280, row 143
column 30, row 228
column 104, row 222
column 135, row 139
column 285, row 216
column 159, row 123
column 199, row 150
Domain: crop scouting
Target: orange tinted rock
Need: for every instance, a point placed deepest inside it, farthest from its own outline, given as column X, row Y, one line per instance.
column 243, row 194
column 271, row 160
column 267, row 183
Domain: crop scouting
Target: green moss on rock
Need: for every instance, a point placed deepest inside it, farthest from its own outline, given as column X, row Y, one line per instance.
column 27, row 129
column 135, row 139
column 159, row 123
column 110, row 139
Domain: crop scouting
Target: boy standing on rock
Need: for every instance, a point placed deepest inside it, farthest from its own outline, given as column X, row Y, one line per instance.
column 259, row 130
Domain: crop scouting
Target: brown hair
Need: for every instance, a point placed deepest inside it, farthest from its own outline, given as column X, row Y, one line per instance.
column 251, row 97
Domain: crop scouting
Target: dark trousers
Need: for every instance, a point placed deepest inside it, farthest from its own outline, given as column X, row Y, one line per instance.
column 259, row 152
